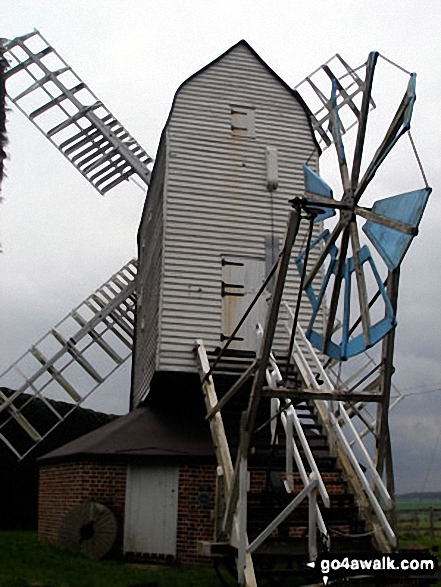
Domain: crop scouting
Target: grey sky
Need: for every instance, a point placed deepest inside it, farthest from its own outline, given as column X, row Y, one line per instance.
column 61, row 239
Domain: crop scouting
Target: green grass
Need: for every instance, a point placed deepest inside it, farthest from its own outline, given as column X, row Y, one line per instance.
column 415, row 526
column 404, row 504
column 24, row 562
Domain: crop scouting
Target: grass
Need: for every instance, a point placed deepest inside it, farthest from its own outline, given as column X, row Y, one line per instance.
column 24, row 562
column 404, row 504
column 416, row 525
column 409, row 537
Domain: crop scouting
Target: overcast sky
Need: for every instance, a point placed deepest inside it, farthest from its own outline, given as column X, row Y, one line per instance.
column 62, row 240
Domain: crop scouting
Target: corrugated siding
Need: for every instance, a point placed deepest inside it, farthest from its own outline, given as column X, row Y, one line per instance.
column 216, row 197
column 149, row 284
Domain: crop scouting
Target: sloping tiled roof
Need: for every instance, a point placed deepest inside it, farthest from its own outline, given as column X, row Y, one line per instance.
column 145, row 433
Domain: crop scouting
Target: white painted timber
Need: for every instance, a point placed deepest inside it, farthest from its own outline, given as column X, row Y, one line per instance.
column 242, row 278
column 212, row 201
column 150, row 247
column 151, row 511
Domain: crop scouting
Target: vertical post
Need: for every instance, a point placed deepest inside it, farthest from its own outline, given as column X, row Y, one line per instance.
column 242, row 525
column 431, row 523
column 224, row 458
column 219, row 503
column 289, row 451
column 312, row 518
column 274, row 409
column 383, row 441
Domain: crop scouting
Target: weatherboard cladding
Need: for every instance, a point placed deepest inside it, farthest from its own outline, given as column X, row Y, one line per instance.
column 149, row 285
column 216, row 202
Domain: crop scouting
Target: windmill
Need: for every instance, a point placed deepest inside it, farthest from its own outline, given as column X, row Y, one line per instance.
column 86, row 133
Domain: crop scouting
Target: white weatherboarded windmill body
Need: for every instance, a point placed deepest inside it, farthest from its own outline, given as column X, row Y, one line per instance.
column 230, row 158
column 222, row 215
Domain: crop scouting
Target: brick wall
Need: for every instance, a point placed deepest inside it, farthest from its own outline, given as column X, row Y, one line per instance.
column 63, row 486
column 66, row 485
column 197, row 485
column 196, row 506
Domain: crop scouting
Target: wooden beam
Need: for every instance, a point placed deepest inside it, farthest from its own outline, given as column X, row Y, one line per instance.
column 237, row 386
column 386, row 221
column 216, row 423
column 305, row 492
column 386, row 373
column 384, row 148
column 329, row 330
column 363, row 117
column 305, row 394
column 336, row 134
column 383, row 447
column 324, row 252
column 221, row 446
column 270, row 326
column 361, row 283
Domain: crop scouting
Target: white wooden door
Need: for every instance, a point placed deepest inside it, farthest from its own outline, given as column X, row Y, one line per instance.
column 151, row 512
column 242, row 278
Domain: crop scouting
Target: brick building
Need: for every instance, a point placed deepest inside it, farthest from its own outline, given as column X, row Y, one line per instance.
column 154, row 469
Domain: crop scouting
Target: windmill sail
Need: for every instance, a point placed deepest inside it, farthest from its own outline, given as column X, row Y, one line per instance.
column 69, row 363
column 48, row 92
column 315, row 90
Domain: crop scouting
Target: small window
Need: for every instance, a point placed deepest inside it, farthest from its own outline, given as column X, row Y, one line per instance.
column 242, row 121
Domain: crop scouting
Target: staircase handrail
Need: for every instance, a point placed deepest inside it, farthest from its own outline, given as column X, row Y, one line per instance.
column 274, row 376
column 338, row 433
column 274, row 379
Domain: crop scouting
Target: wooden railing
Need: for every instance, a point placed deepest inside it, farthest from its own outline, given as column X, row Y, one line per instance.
column 421, row 520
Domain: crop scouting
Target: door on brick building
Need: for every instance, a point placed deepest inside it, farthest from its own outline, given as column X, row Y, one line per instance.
column 151, row 511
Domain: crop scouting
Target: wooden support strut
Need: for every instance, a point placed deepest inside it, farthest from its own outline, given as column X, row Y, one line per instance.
column 305, row 394
column 222, row 452
column 270, row 326
column 237, row 386
column 383, row 447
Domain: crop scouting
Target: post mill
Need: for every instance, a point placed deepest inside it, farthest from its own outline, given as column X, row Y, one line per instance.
column 230, row 238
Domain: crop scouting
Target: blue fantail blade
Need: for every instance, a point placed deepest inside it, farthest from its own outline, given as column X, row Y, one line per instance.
column 390, row 243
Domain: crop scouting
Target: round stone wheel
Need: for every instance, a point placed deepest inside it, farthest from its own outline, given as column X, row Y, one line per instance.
column 89, row 528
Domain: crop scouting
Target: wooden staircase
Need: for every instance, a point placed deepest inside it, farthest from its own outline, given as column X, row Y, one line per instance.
column 245, row 406
column 285, row 552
